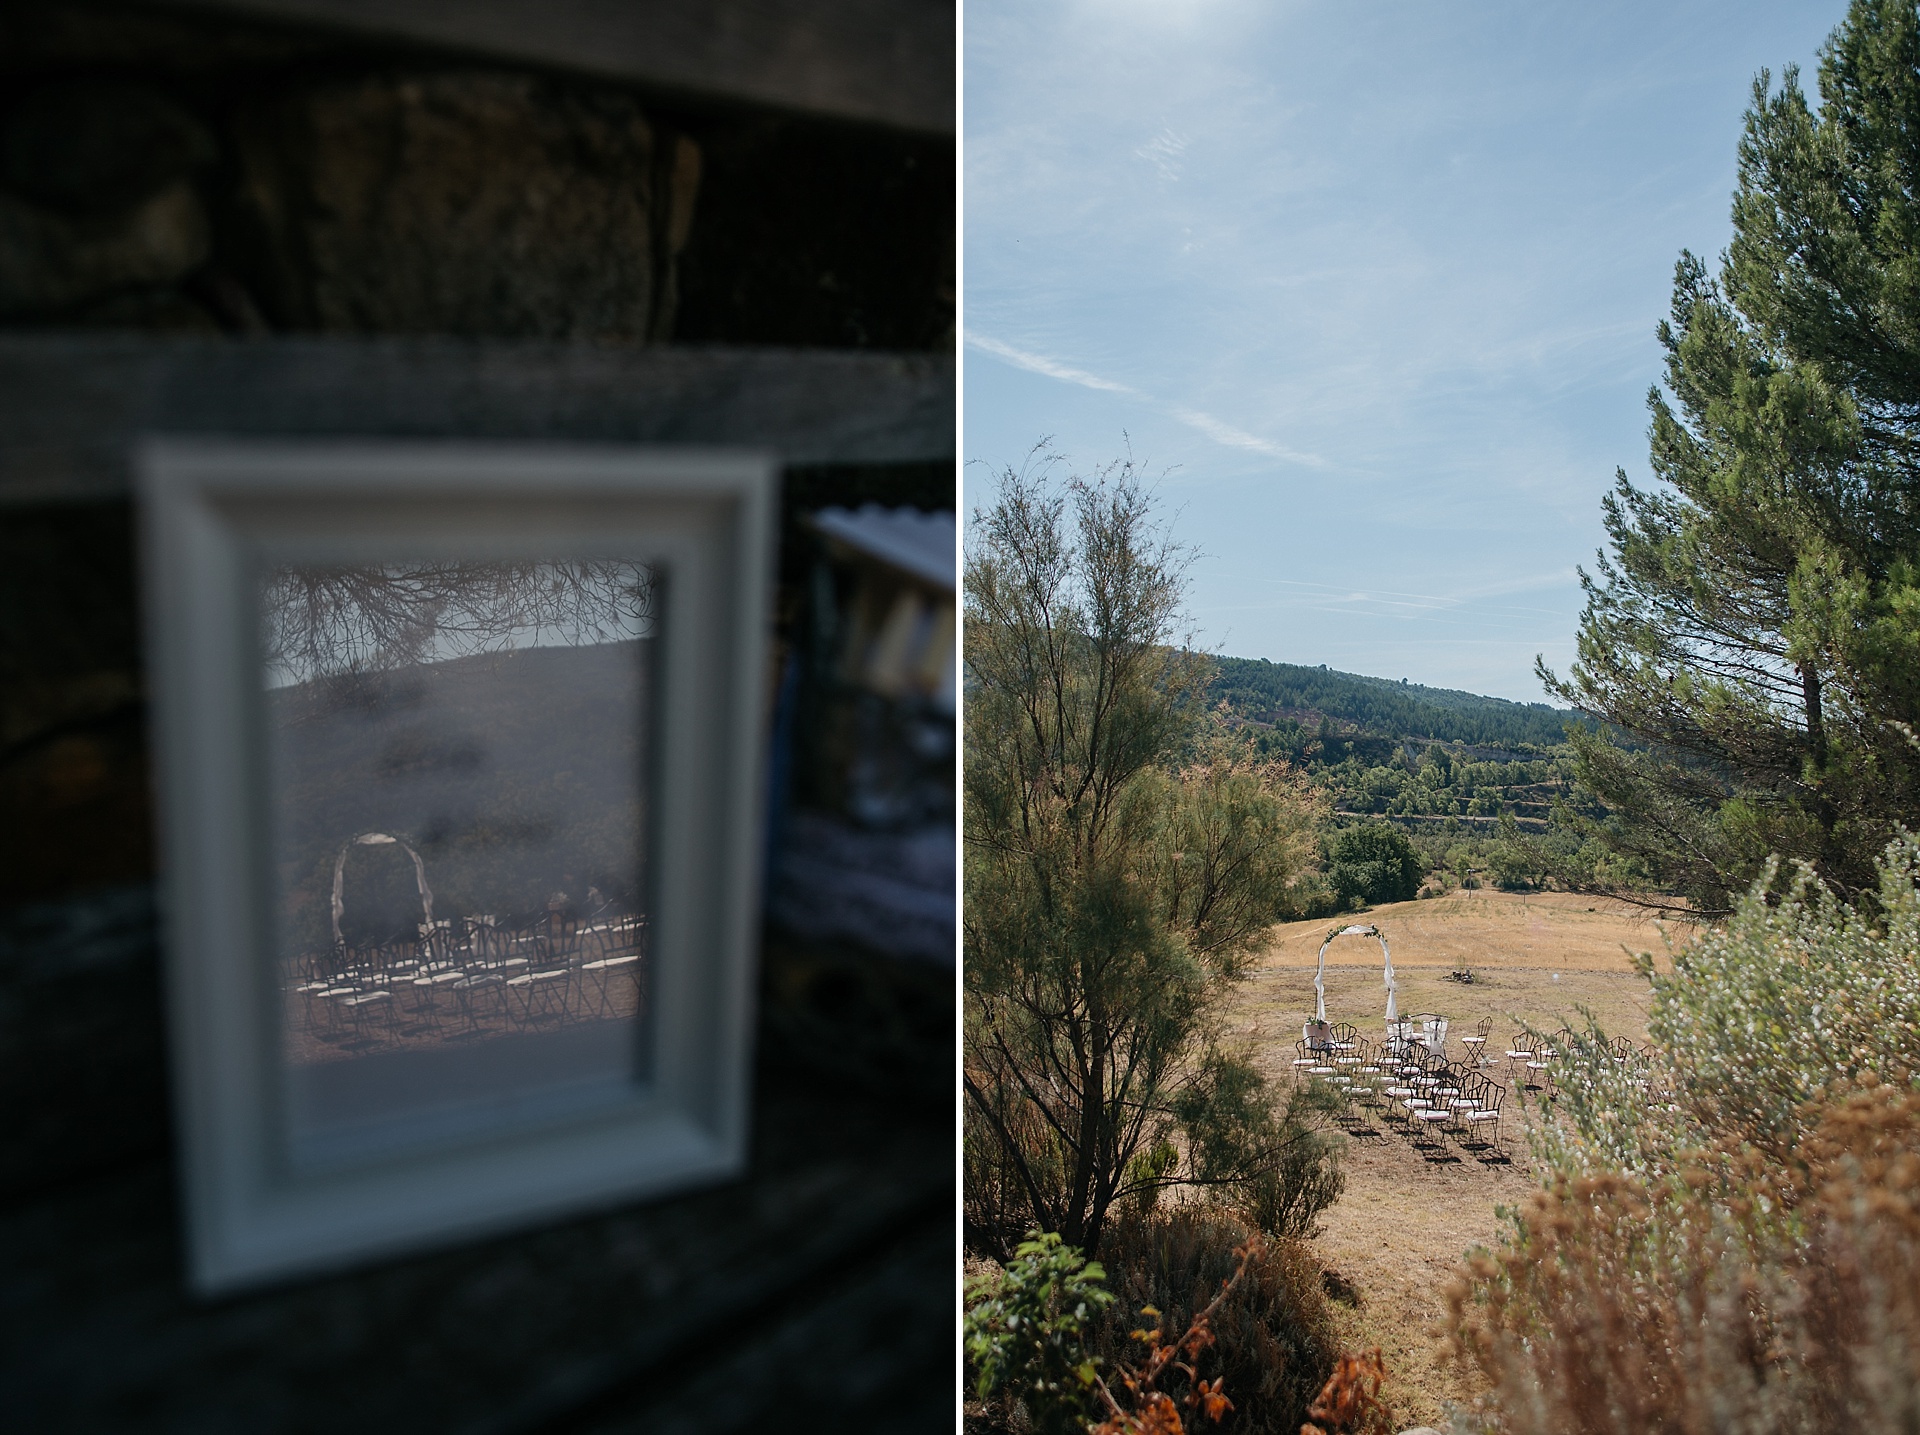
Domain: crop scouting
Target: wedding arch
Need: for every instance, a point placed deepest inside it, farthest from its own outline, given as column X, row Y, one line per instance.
column 1320, row 976
column 378, row 839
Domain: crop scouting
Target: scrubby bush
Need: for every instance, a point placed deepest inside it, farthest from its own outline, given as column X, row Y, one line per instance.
column 1273, row 1337
column 1755, row 1020
column 1730, row 1238
column 1268, row 1149
column 1735, row 1293
column 1350, row 1403
column 1275, row 1159
column 1026, row 1335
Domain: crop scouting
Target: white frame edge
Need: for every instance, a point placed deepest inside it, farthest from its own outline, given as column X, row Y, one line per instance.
column 249, row 1217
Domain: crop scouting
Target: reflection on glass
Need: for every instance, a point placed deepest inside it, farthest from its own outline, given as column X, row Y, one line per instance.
column 455, row 757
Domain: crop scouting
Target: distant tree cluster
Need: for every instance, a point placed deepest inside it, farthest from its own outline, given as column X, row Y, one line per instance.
column 1373, row 862
column 1474, row 815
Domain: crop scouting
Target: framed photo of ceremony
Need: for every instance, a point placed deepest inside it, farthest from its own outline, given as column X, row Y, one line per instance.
column 460, row 768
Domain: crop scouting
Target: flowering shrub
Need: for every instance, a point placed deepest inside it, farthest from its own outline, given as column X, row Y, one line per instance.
column 1149, row 1410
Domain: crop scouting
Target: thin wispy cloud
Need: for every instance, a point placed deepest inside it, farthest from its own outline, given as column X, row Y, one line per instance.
column 1216, row 429
column 1474, row 598
column 1381, row 283
column 1225, row 433
column 1037, row 364
column 1163, row 152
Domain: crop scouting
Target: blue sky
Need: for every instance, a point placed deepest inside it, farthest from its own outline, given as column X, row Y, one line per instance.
column 1373, row 286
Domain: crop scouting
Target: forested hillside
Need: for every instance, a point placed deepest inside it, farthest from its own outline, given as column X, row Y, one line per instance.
column 1285, row 695
column 1473, row 780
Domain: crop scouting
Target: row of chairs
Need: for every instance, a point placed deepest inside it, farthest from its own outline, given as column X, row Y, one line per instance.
column 476, row 978
column 1409, row 1079
column 1417, row 1090
column 1535, row 1061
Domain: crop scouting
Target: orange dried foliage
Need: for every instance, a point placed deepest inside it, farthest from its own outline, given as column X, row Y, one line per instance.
column 1154, row 1411
column 1350, row 1402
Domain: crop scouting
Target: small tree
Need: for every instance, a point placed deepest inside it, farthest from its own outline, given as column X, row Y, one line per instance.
column 1111, row 888
column 1374, row 862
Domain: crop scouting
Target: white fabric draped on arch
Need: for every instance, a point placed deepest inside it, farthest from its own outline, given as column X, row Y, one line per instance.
column 1320, row 976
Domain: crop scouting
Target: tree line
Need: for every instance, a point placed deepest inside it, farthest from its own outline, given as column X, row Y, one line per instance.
column 1284, row 693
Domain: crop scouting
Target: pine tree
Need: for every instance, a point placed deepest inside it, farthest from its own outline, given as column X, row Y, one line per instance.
column 1755, row 630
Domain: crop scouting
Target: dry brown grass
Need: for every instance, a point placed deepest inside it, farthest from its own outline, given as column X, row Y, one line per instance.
column 1489, row 929
column 1399, row 1232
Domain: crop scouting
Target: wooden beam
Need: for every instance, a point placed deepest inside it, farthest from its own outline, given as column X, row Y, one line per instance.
column 71, row 406
column 881, row 61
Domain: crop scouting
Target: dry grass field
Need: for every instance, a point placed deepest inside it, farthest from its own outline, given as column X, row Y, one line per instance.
column 1485, row 928
column 1403, row 1223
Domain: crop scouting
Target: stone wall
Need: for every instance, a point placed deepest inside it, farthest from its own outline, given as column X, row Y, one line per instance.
column 162, row 170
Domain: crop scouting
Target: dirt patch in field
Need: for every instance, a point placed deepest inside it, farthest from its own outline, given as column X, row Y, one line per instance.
column 1396, row 1237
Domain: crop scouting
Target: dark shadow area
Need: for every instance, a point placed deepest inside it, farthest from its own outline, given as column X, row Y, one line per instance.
column 818, row 1285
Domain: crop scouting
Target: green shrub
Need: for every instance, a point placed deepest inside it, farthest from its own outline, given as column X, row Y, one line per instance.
column 1150, row 1167
column 1373, row 862
column 1273, row 1157
column 1025, row 1334
column 1274, row 1342
column 1312, row 895
column 1756, row 1019
column 1730, row 1236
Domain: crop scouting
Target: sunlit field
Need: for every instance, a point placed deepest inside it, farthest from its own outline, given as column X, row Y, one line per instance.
column 1397, row 1233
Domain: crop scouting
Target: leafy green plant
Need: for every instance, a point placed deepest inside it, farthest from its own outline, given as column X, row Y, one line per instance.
column 1760, row 1015
column 1025, row 1333
column 1150, row 1172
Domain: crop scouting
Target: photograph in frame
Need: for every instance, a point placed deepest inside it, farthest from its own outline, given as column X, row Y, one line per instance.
column 456, row 767
column 463, row 793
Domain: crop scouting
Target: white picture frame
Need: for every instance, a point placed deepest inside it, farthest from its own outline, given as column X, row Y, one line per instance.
column 217, row 513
